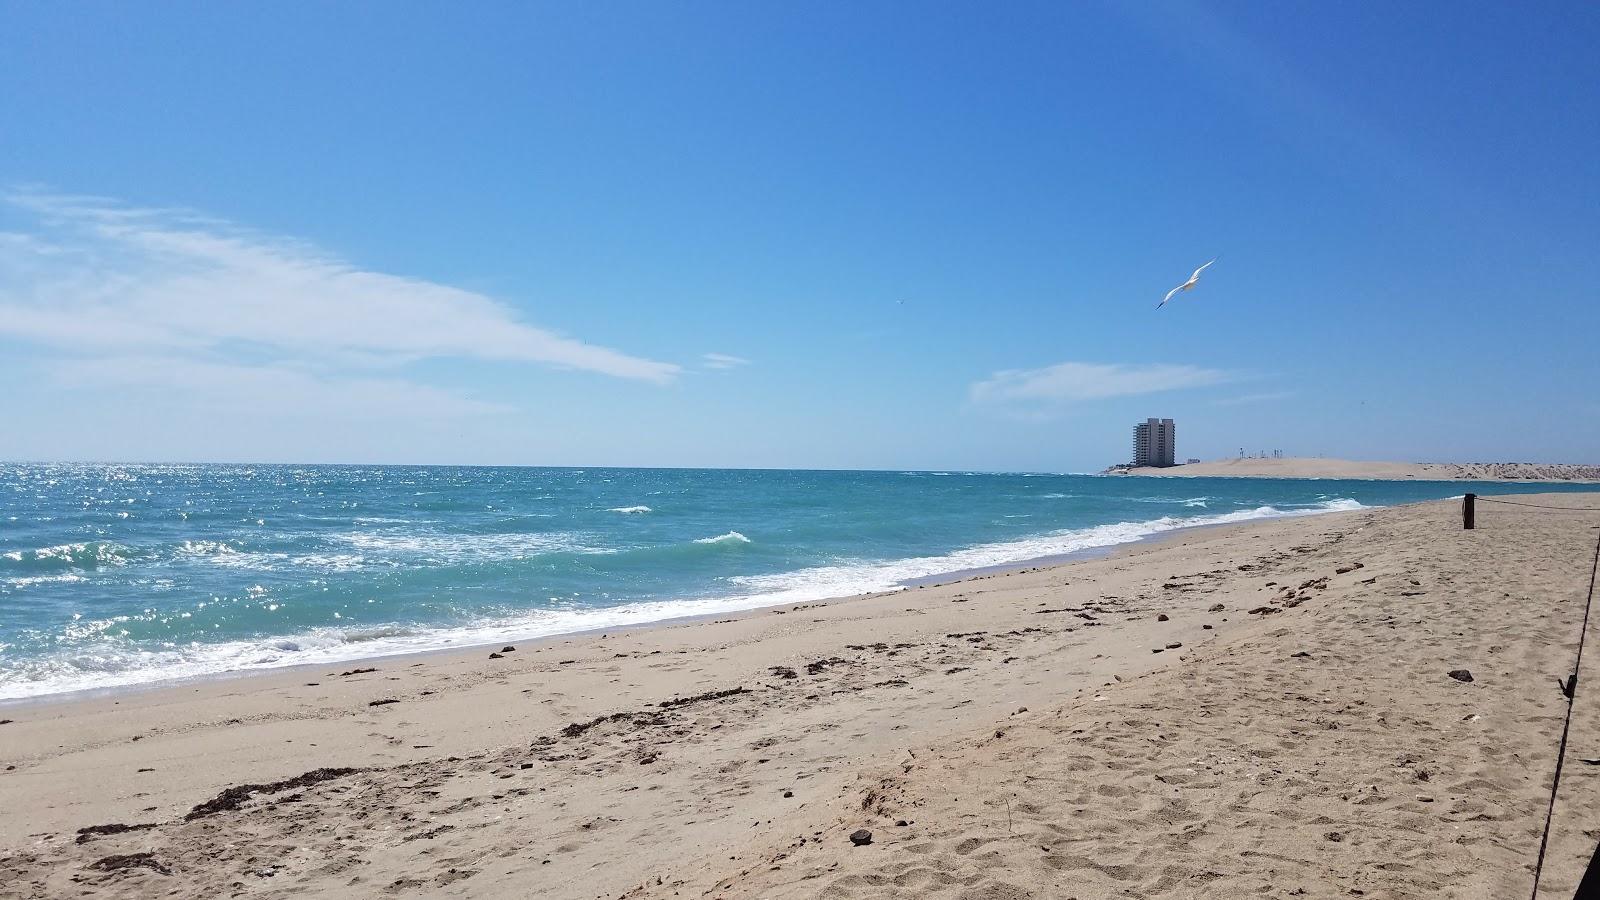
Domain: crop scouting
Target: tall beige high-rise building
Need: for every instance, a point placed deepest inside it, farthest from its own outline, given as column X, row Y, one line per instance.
column 1155, row 443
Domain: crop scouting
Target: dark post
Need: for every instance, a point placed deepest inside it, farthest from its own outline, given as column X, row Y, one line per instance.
column 1469, row 511
column 1589, row 887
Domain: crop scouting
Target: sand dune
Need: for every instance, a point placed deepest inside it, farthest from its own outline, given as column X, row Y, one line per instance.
column 1311, row 741
column 1292, row 467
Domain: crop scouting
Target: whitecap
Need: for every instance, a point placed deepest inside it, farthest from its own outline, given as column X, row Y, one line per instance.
column 455, row 548
column 205, row 548
column 42, row 579
column 732, row 537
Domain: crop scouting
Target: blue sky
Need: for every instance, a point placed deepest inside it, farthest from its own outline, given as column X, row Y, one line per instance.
column 821, row 235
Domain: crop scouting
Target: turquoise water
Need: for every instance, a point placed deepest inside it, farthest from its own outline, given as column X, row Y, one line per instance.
column 116, row 575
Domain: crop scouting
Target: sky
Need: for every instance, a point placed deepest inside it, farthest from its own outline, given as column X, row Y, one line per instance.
column 826, row 235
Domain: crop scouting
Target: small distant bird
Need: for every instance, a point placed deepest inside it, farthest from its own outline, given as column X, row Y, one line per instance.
column 1193, row 280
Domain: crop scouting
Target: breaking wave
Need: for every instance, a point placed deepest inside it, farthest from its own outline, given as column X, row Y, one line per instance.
column 732, row 537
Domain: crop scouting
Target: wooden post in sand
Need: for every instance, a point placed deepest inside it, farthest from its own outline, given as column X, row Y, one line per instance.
column 1589, row 887
column 1469, row 511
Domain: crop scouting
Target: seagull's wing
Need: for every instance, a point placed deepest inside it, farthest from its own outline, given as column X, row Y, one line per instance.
column 1169, row 296
column 1196, row 275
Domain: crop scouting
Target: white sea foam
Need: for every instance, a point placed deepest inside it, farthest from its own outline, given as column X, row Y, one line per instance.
column 206, row 548
column 629, row 509
column 453, row 548
column 847, row 579
column 112, row 662
column 337, row 562
column 1338, row 505
column 87, row 554
column 732, row 537
column 27, row 581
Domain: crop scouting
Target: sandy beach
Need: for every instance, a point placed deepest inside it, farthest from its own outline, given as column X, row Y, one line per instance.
column 1263, row 709
column 720, row 450
column 1308, row 467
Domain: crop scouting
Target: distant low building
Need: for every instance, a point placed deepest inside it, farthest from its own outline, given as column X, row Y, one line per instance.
column 1190, row 461
column 1155, row 443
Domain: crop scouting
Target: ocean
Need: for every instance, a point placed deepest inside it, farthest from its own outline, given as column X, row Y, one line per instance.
column 119, row 575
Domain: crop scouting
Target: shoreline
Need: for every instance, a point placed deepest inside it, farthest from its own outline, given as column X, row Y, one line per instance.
column 1200, row 701
column 943, row 579
column 1327, row 469
column 939, row 579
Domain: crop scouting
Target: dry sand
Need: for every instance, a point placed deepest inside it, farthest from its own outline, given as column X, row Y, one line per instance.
column 1292, row 467
column 1007, row 736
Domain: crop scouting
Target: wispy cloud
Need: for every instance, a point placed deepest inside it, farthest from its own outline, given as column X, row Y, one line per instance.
column 723, row 361
column 145, row 295
column 1265, row 397
column 272, row 389
column 1070, row 382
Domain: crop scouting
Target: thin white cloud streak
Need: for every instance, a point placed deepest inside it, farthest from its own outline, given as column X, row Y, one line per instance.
column 279, row 391
column 723, row 361
column 1071, row 382
column 1265, row 397
column 110, row 278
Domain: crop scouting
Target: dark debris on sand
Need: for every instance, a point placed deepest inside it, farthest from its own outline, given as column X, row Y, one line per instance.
column 122, row 862
column 236, row 796
column 702, row 698
column 84, row 834
column 816, row 667
column 577, row 729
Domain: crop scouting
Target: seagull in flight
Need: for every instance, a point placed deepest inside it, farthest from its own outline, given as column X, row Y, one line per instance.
column 1193, row 280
